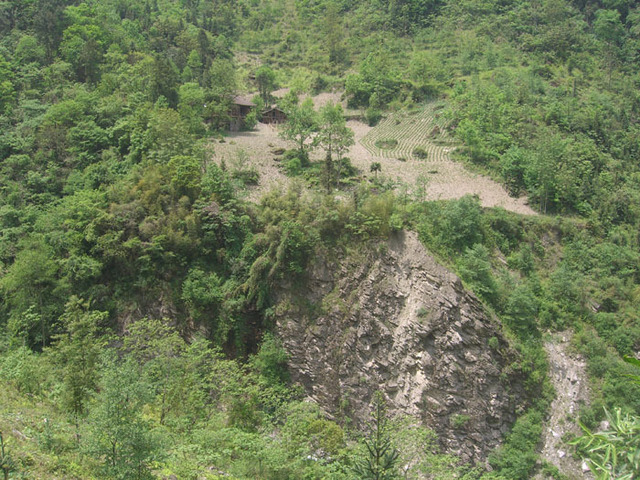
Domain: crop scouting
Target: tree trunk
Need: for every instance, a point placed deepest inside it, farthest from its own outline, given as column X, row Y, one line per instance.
column 328, row 171
column 5, row 468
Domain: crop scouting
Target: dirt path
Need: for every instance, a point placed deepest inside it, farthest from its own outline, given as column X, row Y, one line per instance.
column 568, row 375
column 443, row 177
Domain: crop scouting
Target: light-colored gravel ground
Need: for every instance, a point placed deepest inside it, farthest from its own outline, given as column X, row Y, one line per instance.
column 567, row 372
column 258, row 146
column 447, row 179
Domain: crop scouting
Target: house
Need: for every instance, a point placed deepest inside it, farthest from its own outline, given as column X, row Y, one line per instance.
column 240, row 108
column 274, row 115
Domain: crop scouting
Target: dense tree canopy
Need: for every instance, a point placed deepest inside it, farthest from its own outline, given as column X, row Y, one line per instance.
column 136, row 283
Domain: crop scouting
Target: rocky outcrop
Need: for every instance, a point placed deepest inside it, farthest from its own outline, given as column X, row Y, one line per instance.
column 392, row 319
column 569, row 378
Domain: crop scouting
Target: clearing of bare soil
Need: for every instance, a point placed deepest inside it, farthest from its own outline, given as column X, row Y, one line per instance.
column 430, row 166
column 258, row 149
column 567, row 372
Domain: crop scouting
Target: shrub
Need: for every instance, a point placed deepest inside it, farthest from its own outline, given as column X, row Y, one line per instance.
column 244, row 414
column 24, row 370
column 613, row 453
column 295, row 248
column 517, row 457
column 522, row 260
column 319, row 83
column 459, row 421
column 461, row 223
column 251, row 120
column 271, row 360
column 520, row 312
column 293, row 166
column 372, row 116
column 249, row 176
column 295, row 161
column 346, row 168
column 475, row 268
column 386, row 143
column 420, row 152
column 372, row 219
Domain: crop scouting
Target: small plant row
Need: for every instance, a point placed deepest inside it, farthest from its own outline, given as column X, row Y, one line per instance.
column 420, row 136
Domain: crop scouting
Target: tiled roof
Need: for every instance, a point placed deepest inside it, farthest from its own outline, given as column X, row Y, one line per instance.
column 245, row 102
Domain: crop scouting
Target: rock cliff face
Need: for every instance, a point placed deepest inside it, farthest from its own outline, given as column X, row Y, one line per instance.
column 393, row 319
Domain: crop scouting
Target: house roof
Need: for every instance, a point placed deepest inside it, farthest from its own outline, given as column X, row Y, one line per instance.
column 245, row 102
column 273, row 108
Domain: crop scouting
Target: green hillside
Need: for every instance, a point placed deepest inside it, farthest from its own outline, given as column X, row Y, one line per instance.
column 137, row 305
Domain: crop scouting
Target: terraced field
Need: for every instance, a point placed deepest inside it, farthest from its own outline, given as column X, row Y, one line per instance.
column 423, row 129
column 435, row 176
column 414, row 149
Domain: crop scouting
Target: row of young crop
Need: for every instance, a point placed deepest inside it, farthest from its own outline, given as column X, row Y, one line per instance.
column 419, row 136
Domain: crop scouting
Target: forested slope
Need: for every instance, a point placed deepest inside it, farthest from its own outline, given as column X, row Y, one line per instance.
column 136, row 283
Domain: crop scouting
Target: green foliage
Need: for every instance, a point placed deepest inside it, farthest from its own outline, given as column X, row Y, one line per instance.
column 420, row 152
column 419, row 455
column 160, row 354
column 295, row 248
column 461, row 223
column 373, row 217
column 28, row 285
column 375, row 85
column 108, row 194
column 25, row 371
column 375, row 167
column 293, row 164
column 185, row 174
column 202, row 292
column 636, row 363
column 386, row 143
column 7, row 92
column 77, row 354
column 335, row 138
column 475, row 268
column 520, row 312
column 517, row 457
column 167, row 135
column 117, row 434
column 83, row 41
column 251, row 120
column 615, row 452
column 381, row 458
column 271, row 360
column 522, row 260
column 301, row 127
column 373, row 116
column 266, row 80
column 6, row 462
column 459, row 421
column 512, row 166
column 243, row 171
column 191, row 106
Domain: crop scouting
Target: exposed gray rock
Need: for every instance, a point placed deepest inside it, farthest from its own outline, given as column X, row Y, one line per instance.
column 393, row 319
column 569, row 378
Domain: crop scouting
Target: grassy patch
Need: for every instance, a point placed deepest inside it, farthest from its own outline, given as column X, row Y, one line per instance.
column 386, row 143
